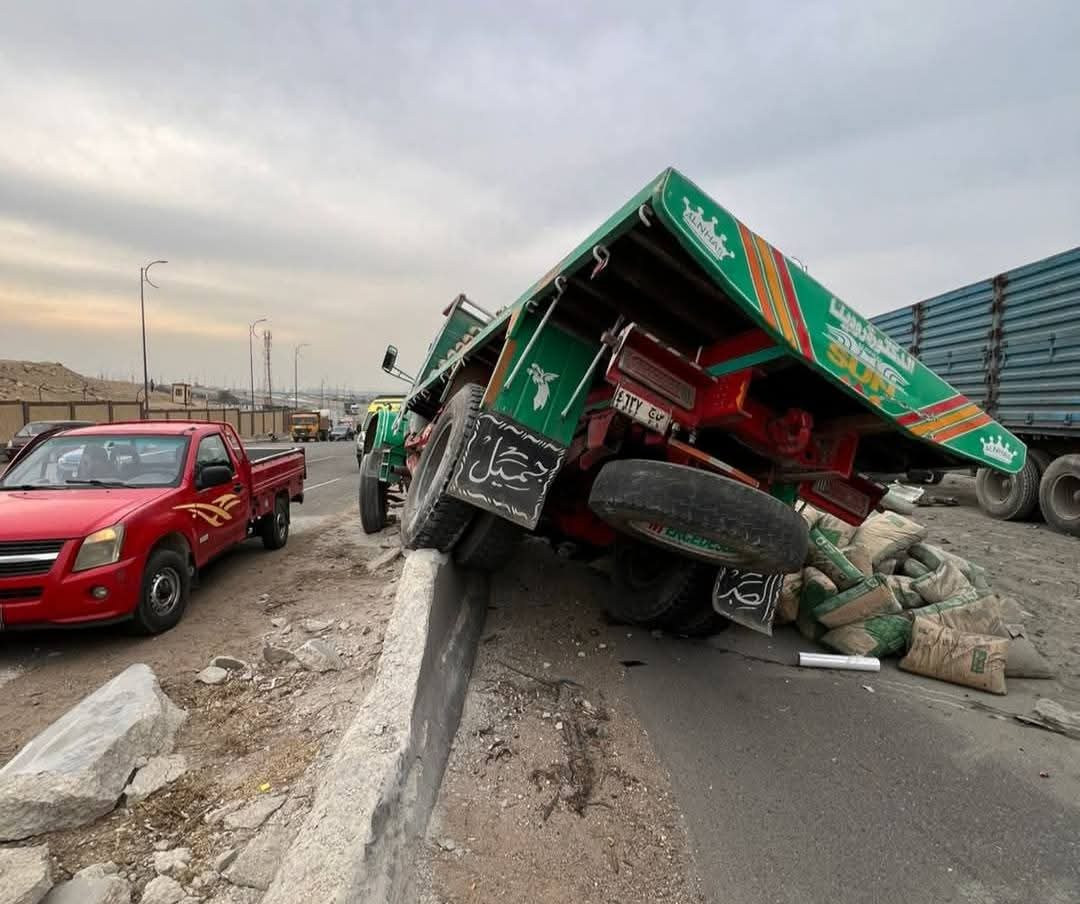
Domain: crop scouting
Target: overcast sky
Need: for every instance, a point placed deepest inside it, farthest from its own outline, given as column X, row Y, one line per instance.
column 345, row 169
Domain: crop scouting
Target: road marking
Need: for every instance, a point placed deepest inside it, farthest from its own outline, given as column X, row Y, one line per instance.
column 312, row 461
column 315, row 486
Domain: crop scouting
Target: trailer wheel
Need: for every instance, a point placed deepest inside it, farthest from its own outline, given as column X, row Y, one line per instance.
column 701, row 515
column 1008, row 497
column 166, row 583
column 1059, row 494
column 372, row 494
column 654, row 588
column 274, row 527
column 488, row 542
column 430, row 517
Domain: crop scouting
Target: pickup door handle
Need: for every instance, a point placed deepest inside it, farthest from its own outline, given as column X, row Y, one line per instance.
column 238, row 488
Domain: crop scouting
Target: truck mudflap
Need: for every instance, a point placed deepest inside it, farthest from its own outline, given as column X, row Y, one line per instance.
column 748, row 598
column 506, row 469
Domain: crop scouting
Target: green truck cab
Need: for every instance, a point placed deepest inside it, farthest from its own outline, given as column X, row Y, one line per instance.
column 380, row 455
column 669, row 391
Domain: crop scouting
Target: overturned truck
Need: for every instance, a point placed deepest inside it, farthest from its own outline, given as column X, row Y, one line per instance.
column 669, row 392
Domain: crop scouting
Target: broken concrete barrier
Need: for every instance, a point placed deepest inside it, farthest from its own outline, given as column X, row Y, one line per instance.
column 76, row 769
column 25, row 874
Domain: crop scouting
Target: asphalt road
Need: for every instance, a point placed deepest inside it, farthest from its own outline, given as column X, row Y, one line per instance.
column 332, row 478
column 804, row 786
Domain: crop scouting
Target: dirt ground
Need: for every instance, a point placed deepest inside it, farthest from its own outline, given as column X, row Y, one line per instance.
column 1029, row 562
column 257, row 733
column 552, row 792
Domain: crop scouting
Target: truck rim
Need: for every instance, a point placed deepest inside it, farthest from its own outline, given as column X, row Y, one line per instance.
column 164, row 591
column 1000, row 485
column 281, row 521
column 1065, row 496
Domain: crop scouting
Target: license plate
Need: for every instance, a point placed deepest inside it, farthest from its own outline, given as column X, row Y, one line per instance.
column 645, row 413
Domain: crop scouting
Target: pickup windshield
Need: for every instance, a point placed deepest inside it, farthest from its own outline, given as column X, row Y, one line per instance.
column 66, row 462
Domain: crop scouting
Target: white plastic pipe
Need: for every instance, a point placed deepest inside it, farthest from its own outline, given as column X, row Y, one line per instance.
column 833, row 661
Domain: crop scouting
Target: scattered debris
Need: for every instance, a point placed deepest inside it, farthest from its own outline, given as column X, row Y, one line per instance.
column 97, row 884
column 255, row 813
column 76, row 769
column 230, row 664
column 318, row 656
column 1052, row 716
column 276, row 655
column 255, row 867
column 212, row 674
column 169, row 863
column 158, row 772
column 383, row 559
column 163, row 890
column 26, row 874
column 317, row 625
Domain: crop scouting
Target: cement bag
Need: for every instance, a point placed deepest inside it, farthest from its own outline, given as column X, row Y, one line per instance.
column 839, row 532
column 877, row 636
column 905, row 594
column 871, row 596
column 933, row 557
column 982, row 615
column 787, row 607
column 887, row 535
column 889, row 566
column 974, row 660
column 860, row 558
column 816, row 588
column 942, row 584
column 810, row 515
column 913, row 568
column 1024, row 660
column 825, row 557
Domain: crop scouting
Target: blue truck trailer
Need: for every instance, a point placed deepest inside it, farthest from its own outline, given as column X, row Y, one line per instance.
column 1011, row 344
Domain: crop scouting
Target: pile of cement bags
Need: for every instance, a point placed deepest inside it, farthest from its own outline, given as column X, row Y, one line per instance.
column 880, row 589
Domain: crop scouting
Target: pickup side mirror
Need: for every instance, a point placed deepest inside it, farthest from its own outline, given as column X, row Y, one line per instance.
column 390, row 358
column 213, row 476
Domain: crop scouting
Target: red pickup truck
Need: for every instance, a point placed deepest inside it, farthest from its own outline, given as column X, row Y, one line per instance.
column 112, row 522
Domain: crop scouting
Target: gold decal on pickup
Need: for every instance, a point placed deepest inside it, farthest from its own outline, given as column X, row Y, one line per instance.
column 214, row 513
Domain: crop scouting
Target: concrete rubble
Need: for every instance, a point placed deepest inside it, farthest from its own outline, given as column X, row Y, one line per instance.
column 317, row 655
column 96, row 884
column 25, row 874
column 158, row 772
column 169, row 863
column 77, row 768
column 164, row 890
column 254, row 814
column 257, row 864
column 212, row 674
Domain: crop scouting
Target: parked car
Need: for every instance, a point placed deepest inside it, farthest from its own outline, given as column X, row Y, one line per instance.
column 112, row 522
column 341, row 431
column 28, row 431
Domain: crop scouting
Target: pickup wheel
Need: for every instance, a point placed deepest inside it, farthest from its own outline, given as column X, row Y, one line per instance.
column 165, row 586
column 700, row 515
column 431, row 518
column 274, row 528
column 1059, row 494
column 1009, row 497
column 488, row 542
column 654, row 588
column 372, row 494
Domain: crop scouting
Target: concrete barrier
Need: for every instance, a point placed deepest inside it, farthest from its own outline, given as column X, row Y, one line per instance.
column 359, row 841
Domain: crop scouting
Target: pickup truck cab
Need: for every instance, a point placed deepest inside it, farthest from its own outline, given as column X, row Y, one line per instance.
column 112, row 522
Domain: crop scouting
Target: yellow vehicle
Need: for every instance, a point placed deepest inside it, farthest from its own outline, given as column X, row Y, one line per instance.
column 365, row 434
column 310, row 425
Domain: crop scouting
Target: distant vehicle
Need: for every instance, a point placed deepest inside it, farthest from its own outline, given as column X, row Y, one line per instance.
column 1011, row 344
column 341, row 431
column 149, row 504
column 310, row 425
column 29, row 431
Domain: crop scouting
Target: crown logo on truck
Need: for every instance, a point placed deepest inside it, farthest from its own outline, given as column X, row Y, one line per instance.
column 997, row 450
column 706, row 230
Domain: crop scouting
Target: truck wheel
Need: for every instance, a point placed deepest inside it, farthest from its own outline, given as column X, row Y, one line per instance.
column 274, row 528
column 488, row 542
column 655, row 588
column 1059, row 494
column 431, row 518
column 164, row 596
column 1008, row 497
column 701, row 515
column 372, row 495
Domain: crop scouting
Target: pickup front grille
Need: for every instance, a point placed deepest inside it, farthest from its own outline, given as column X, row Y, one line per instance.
column 20, row 593
column 28, row 557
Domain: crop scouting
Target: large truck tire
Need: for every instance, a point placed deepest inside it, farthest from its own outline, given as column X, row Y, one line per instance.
column 372, row 494
column 1059, row 494
column 488, row 542
column 431, row 519
column 654, row 588
column 1008, row 497
column 700, row 515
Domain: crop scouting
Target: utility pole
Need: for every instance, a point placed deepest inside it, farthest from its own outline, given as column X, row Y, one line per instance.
column 144, row 278
column 296, row 374
column 267, row 343
column 251, row 364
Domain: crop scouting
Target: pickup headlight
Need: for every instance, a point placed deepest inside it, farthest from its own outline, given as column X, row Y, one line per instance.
column 100, row 548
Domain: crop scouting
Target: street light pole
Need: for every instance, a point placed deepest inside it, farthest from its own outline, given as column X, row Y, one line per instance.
column 296, row 374
column 144, row 278
column 251, row 364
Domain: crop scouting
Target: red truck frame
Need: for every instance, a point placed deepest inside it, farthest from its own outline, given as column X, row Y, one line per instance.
column 76, row 548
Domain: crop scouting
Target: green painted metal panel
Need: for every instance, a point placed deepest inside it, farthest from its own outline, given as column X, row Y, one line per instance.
column 390, row 433
column 836, row 341
column 547, row 380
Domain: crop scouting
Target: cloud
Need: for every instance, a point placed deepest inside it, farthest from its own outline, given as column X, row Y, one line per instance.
column 347, row 169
